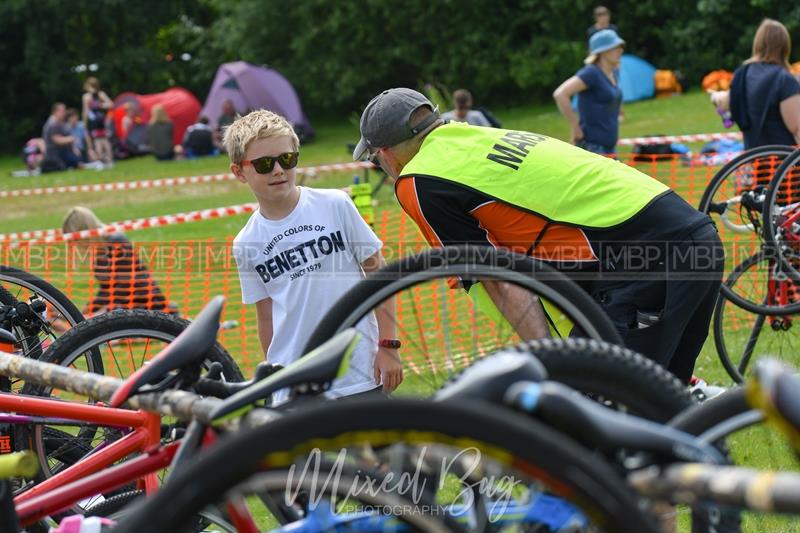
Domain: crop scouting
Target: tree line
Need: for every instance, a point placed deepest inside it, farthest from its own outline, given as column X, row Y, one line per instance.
column 339, row 54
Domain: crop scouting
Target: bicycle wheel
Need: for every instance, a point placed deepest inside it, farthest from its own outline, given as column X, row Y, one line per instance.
column 125, row 339
column 613, row 374
column 741, row 336
column 734, row 198
column 443, row 329
column 490, row 442
column 32, row 324
column 781, row 215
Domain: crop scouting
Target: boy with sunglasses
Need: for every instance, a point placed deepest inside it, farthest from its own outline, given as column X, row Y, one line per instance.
column 300, row 252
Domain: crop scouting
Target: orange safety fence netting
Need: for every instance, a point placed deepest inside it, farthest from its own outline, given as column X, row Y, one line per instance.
column 181, row 276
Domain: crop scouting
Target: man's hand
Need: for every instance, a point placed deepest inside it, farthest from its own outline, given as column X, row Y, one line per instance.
column 388, row 369
column 577, row 135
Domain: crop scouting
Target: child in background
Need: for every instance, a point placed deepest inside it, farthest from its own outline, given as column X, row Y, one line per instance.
column 124, row 281
column 300, row 252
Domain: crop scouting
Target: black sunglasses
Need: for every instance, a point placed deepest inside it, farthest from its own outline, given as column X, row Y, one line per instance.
column 264, row 165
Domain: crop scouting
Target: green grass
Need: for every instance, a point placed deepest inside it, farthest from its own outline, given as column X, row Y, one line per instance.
column 685, row 114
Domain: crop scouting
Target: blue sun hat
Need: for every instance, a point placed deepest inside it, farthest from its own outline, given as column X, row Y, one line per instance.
column 602, row 41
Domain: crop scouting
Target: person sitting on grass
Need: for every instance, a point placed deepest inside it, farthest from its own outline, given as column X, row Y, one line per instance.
column 198, row 141
column 77, row 130
column 60, row 153
column 300, row 252
column 159, row 134
column 124, row 281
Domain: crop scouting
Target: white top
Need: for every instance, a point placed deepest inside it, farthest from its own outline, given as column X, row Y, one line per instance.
column 305, row 262
column 473, row 118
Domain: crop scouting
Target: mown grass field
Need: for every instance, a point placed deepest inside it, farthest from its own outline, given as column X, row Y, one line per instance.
column 199, row 270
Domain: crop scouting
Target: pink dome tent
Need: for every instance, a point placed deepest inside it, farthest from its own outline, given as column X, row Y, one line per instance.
column 251, row 87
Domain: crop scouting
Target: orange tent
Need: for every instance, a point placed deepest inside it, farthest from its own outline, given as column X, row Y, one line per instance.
column 717, row 80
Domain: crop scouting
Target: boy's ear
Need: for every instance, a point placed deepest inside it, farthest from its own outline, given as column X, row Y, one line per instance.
column 236, row 170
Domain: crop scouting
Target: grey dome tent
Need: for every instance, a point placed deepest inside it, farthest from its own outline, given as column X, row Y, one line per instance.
column 251, row 87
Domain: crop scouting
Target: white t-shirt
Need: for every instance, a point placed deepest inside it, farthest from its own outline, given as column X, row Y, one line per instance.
column 305, row 262
column 473, row 118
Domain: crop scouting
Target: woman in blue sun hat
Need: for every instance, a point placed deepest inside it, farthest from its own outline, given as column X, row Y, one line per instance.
column 596, row 126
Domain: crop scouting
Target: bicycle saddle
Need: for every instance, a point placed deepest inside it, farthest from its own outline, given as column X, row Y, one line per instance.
column 775, row 389
column 490, row 378
column 190, row 347
column 313, row 372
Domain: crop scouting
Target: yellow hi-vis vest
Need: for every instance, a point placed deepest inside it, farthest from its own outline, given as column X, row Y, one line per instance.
column 544, row 176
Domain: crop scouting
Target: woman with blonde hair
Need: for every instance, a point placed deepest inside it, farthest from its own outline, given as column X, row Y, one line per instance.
column 124, row 282
column 764, row 98
column 596, row 126
column 159, row 134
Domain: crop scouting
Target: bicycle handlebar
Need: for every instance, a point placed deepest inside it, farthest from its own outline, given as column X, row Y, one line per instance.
column 18, row 464
column 224, row 389
column 772, row 492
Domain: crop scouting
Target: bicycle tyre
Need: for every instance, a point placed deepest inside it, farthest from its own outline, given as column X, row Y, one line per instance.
column 124, row 323
column 437, row 264
column 744, row 158
column 613, row 372
column 770, row 230
column 748, row 304
column 737, row 366
column 710, row 413
column 51, row 295
column 114, row 507
column 533, row 448
column 40, row 286
column 729, row 169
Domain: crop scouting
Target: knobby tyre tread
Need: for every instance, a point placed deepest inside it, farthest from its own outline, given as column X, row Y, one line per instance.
column 614, row 372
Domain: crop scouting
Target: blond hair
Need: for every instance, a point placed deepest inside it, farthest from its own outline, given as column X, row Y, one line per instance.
column 771, row 44
column 258, row 124
column 80, row 218
column 92, row 83
column 158, row 114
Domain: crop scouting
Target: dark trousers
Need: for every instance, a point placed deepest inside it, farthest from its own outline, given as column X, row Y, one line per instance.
column 664, row 312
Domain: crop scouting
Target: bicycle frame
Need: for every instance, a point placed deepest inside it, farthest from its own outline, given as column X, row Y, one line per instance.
column 95, row 474
column 81, row 480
